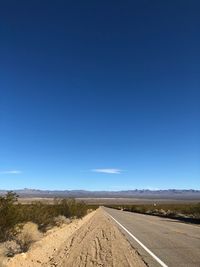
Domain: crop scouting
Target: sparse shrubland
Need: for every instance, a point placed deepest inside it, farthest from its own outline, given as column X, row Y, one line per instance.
column 21, row 237
column 22, row 224
column 187, row 212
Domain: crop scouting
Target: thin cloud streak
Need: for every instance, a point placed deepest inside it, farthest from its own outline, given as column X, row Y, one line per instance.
column 107, row 171
column 11, row 172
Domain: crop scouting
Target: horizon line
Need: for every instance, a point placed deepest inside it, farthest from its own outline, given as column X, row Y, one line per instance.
column 100, row 190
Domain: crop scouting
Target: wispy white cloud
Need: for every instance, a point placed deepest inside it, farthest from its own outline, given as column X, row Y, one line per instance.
column 11, row 172
column 108, row 171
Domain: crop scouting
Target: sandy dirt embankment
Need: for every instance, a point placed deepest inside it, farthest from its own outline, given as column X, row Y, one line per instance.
column 92, row 241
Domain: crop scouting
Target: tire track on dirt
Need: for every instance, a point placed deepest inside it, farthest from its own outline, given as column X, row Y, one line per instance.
column 97, row 243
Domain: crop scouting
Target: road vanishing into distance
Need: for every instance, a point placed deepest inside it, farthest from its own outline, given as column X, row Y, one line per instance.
column 160, row 241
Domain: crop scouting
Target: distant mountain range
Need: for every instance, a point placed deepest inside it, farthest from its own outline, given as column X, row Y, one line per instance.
column 145, row 193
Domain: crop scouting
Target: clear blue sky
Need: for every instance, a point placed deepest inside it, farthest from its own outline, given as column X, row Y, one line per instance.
column 99, row 94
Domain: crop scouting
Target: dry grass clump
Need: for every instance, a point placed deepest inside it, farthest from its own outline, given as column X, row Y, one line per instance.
column 21, row 238
column 28, row 234
column 60, row 220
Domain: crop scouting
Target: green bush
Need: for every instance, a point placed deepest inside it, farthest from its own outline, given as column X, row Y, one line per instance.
column 8, row 214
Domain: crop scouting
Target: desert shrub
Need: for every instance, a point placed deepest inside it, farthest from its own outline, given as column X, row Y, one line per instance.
column 8, row 214
column 26, row 235
column 23, row 235
column 39, row 213
column 60, row 220
column 71, row 208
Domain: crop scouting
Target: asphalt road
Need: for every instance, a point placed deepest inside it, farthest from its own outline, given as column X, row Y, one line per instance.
column 175, row 243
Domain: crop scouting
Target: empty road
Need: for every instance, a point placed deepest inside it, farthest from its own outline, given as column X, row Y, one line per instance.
column 173, row 242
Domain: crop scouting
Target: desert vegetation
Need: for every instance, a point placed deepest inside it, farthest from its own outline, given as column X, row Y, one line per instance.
column 188, row 212
column 22, row 224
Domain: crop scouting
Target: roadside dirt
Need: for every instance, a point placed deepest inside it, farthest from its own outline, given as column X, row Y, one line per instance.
column 93, row 241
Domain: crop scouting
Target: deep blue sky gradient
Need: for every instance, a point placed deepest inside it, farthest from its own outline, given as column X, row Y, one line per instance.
column 100, row 84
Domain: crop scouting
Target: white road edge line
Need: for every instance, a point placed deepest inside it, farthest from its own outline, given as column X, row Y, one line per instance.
column 139, row 242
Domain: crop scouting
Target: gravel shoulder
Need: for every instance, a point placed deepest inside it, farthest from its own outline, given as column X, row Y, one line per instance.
column 92, row 241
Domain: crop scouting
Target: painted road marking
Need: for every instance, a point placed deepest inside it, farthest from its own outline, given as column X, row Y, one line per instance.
column 140, row 243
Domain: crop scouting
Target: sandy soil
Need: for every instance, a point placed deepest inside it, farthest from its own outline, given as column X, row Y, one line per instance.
column 92, row 241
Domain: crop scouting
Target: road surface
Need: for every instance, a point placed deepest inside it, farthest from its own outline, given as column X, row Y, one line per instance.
column 174, row 243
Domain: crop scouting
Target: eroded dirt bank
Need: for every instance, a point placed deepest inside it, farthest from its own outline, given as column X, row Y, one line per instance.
column 94, row 241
